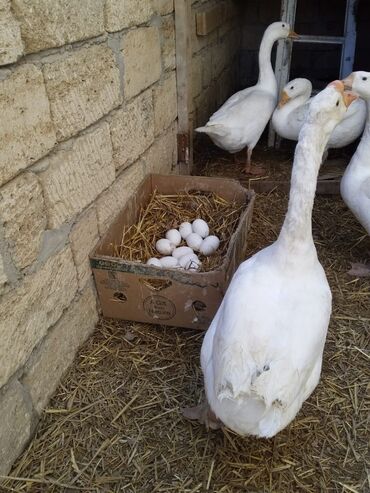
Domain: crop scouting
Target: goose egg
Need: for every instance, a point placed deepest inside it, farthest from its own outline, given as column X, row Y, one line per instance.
column 154, row 261
column 209, row 245
column 185, row 230
column 190, row 262
column 194, row 241
column 164, row 246
column 200, row 227
column 169, row 262
column 174, row 236
column 180, row 251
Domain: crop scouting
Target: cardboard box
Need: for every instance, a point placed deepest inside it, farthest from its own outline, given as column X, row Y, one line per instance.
column 134, row 291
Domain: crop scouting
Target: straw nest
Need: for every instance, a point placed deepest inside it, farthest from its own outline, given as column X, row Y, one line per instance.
column 164, row 212
column 114, row 424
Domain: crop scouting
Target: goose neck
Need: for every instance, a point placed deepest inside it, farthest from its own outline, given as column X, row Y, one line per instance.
column 266, row 73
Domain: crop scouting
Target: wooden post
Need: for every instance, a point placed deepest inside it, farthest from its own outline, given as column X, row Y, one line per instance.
column 183, row 27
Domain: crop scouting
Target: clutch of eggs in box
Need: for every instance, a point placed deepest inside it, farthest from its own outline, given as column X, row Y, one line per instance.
column 196, row 241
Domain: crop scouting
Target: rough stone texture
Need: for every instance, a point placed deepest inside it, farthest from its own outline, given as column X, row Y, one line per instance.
column 51, row 23
column 75, row 177
column 196, row 75
column 23, row 216
column 207, row 68
column 168, row 42
column 142, row 58
column 16, row 424
column 162, row 155
column 26, row 130
column 3, row 276
column 84, row 236
column 10, row 35
column 39, row 300
column 121, row 14
column 165, row 103
column 112, row 201
column 132, row 130
column 163, row 7
column 82, row 87
column 57, row 351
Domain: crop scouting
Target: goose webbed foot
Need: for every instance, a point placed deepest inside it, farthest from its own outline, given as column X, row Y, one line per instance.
column 359, row 270
column 204, row 414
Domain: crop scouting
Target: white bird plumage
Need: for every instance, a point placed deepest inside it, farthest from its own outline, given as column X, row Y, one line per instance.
column 241, row 120
column 291, row 111
column 261, row 356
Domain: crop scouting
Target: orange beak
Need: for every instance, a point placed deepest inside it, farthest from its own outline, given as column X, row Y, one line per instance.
column 293, row 35
column 349, row 97
column 338, row 84
column 283, row 100
column 348, row 81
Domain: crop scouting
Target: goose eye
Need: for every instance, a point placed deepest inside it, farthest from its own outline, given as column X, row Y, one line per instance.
column 283, row 25
column 292, row 87
column 337, row 103
column 364, row 78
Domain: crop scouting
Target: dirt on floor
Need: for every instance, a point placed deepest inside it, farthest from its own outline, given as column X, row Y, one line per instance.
column 115, row 422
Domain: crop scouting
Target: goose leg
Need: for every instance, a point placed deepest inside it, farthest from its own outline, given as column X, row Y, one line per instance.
column 359, row 270
column 204, row 414
column 250, row 169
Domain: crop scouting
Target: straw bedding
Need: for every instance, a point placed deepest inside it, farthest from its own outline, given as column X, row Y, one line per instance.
column 114, row 424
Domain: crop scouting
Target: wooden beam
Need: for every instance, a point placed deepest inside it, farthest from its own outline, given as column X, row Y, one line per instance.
column 183, row 27
column 209, row 19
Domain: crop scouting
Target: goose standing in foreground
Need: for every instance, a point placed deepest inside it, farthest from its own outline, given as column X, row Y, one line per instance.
column 261, row 356
column 290, row 113
column 240, row 121
column 355, row 184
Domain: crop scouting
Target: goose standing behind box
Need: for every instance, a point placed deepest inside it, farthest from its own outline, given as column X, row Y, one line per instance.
column 261, row 356
column 355, row 184
column 240, row 121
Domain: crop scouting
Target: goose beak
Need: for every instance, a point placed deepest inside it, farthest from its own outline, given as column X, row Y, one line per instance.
column 283, row 100
column 338, row 85
column 348, row 82
column 293, row 35
column 349, row 97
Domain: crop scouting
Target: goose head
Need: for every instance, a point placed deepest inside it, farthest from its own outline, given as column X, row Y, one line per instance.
column 280, row 30
column 329, row 106
column 295, row 88
column 359, row 82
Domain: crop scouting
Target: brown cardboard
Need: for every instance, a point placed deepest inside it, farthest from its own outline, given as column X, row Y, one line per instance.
column 134, row 291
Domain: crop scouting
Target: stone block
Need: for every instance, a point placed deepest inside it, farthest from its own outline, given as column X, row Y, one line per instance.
column 120, row 15
column 142, row 59
column 82, row 87
column 16, row 424
column 168, row 42
column 132, row 129
column 162, row 155
column 210, row 18
column 165, row 103
column 27, row 311
column 111, row 202
column 26, row 129
column 202, row 42
column 3, row 275
column 23, row 216
column 84, row 236
column 10, row 35
column 57, row 351
column 163, row 7
column 75, row 177
column 51, row 23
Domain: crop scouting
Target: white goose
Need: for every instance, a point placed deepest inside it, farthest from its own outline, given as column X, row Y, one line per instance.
column 290, row 113
column 355, row 184
column 261, row 356
column 241, row 120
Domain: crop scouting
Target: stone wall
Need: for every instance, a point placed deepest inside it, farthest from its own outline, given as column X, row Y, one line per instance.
column 215, row 59
column 88, row 107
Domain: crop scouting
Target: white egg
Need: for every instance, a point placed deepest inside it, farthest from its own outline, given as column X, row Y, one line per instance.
column 154, row 261
column 200, row 227
column 164, row 246
column 169, row 262
column 185, row 230
column 190, row 262
column 174, row 236
column 209, row 245
column 181, row 251
column 194, row 241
